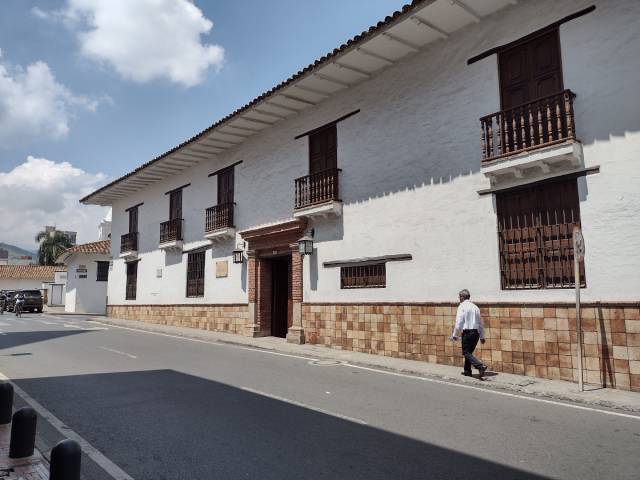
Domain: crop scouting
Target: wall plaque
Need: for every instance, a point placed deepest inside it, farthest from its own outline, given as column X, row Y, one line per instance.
column 222, row 269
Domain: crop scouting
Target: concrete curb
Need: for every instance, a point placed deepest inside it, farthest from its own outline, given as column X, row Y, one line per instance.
column 541, row 388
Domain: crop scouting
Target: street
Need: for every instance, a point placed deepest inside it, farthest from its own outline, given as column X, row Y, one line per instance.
column 164, row 407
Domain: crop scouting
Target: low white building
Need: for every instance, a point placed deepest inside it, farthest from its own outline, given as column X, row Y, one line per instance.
column 453, row 145
column 29, row 277
column 87, row 274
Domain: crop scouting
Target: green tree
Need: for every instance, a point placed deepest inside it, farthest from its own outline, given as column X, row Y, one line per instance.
column 52, row 244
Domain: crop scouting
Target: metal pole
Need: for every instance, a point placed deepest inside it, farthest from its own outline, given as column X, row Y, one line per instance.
column 576, row 264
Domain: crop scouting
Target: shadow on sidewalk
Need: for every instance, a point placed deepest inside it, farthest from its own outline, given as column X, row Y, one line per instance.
column 166, row 424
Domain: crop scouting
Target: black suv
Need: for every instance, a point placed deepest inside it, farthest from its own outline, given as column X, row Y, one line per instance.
column 32, row 300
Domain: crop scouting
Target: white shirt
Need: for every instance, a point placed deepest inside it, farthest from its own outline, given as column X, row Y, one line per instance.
column 468, row 318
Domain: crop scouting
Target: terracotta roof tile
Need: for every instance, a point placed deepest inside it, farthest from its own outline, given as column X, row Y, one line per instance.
column 39, row 272
column 103, row 246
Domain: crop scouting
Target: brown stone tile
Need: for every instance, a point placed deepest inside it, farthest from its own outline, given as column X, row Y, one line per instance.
column 527, row 323
column 617, row 325
column 566, row 361
column 632, row 326
column 633, row 339
column 528, row 358
column 516, row 345
column 634, row 353
column 632, row 313
column 527, row 346
column 592, row 363
column 549, row 312
column 635, row 382
column 634, row 367
column 538, row 323
column 553, row 361
column 553, row 372
column 530, row 370
column 550, row 336
column 563, row 336
column 551, row 347
column 541, row 371
column 622, row 380
column 541, row 359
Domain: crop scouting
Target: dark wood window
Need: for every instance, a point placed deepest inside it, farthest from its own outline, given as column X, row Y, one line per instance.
column 535, row 235
column 323, row 150
column 195, row 274
column 103, row 272
column 133, row 220
column 363, row 276
column 132, row 281
column 225, row 186
column 175, row 205
column 530, row 70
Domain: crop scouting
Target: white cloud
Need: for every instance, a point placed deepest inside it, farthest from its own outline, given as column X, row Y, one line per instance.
column 41, row 192
column 143, row 40
column 33, row 105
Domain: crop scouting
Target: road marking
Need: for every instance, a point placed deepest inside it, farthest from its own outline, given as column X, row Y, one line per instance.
column 83, row 328
column 494, row 392
column 44, row 322
column 304, row 405
column 385, row 372
column 2, row 324
column 118, row 352
column 94, row 454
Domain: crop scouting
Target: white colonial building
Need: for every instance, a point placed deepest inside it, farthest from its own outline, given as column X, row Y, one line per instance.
column 457, row 144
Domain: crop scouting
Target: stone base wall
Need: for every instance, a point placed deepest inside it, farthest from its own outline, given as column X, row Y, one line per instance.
column 221, row 318
column 535, row 340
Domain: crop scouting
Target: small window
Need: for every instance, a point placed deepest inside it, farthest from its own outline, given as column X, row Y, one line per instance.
column 132, row 281
column 364, row 276
column 195, row 274
column 103, row 272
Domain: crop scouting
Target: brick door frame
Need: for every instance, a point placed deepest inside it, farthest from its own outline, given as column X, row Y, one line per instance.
column 265, row 243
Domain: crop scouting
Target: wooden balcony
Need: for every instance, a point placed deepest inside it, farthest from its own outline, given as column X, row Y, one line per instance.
column 544, row 122
column 219, row 221
column 318, row 193
column 129, row 244
column 171, row 234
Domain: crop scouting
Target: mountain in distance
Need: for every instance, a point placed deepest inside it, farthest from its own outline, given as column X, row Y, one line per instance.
column 16, row 252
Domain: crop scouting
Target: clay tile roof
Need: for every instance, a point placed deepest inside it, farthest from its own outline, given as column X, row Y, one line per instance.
column 35, row 272
column 103, row 247
column 388, row 20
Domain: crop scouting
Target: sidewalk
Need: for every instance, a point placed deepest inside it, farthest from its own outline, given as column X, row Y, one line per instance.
column 551, row 389
column 34, row 467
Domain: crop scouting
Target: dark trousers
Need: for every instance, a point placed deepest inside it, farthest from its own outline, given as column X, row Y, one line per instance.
column 469, row 341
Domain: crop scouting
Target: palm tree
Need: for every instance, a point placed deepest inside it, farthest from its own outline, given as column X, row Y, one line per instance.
column 52, row 244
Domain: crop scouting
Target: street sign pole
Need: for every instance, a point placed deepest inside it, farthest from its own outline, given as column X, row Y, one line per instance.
column 578, row 256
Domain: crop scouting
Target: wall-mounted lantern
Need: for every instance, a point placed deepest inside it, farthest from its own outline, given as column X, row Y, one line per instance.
column 305, row 244
column 238, row 253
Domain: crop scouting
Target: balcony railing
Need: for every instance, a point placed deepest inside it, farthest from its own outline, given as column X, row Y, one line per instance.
column 540, row 123
column 171, row 231
column 317, row 188
column 129, row 242
column 218, row 217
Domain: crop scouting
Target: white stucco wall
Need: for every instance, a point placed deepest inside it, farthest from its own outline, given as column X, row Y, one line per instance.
column 85, row 295
column 410, row 165
column 20, row 284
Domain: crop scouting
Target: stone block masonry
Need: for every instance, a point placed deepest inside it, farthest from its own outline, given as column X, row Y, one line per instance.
column 538, row 340
column 220, row 318
column 534, row 340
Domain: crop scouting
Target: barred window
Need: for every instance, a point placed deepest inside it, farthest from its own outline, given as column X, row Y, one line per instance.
column 103, row 272
column 363, row 276
column 535, row 235
column 195, row 274
column 132, row 281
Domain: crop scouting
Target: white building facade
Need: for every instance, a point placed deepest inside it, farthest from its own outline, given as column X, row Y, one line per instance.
column 87, row 275
column 376, row 153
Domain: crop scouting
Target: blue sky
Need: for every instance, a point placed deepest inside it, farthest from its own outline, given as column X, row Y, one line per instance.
column 101, row 86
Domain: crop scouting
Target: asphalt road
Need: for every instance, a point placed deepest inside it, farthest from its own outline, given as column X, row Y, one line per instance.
column 162, row 407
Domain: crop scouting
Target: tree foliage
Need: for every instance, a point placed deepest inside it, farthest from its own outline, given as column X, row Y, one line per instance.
column 52, row 244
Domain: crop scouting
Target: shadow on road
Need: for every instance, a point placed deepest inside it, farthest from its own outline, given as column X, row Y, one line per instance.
column 16, row 339
column 163, row 424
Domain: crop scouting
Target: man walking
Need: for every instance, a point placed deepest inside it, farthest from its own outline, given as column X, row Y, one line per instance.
column 468, row 322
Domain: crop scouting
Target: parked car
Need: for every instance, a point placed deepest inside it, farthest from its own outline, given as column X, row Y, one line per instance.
column 8, row 306
column 32, row 301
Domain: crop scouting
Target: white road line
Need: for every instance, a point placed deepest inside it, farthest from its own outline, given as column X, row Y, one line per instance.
column 304, row 405
column 385, row 372
column 117, row 351
column 494, row 392
column 80, row 327
column 44, row 322
column 2, row 324
column 94, row 454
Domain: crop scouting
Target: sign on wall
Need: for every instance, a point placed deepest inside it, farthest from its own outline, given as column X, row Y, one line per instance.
column 222, row 269
column 81, row 271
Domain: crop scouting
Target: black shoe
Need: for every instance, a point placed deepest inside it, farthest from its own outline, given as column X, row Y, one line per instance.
column 466, row 374
column 481, row 371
